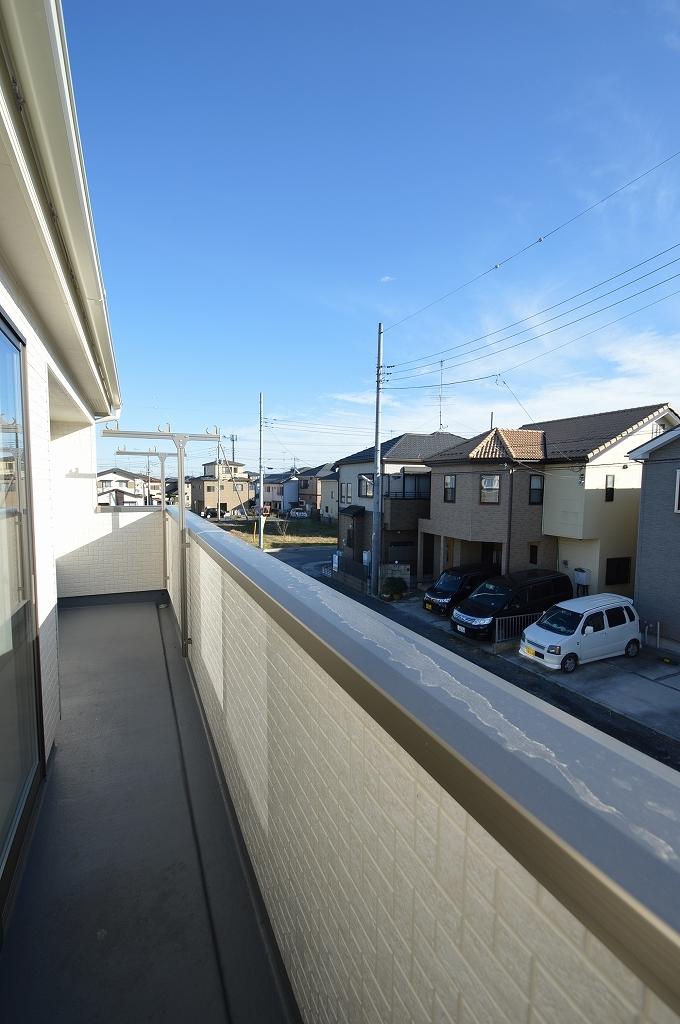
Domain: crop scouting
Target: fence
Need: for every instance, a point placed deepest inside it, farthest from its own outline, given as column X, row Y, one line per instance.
column 510, row 627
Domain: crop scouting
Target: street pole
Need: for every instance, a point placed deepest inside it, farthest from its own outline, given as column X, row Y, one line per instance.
column 233, row 438
column 218, row 431
column 377, row 502
column 261, row 517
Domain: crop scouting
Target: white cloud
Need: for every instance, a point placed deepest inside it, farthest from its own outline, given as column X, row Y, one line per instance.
column 361, row 398
column 386, row 279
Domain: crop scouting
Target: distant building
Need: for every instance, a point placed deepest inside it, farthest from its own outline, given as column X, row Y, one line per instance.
column 236, row 487
column 139, row 484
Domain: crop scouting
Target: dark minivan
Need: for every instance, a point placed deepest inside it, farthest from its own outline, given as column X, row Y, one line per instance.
column 518, row 593
column 454, row 585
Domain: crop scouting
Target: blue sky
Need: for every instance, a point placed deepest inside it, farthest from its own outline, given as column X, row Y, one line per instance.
column 270, row 180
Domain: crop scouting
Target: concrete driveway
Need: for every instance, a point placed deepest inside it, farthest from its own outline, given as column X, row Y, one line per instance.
column 646, row 688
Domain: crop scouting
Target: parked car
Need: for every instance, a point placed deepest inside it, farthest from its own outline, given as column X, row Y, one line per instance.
column 453, row 586
column 297, row 513
column 581, row 630
column 518, row 593
column 211, row 513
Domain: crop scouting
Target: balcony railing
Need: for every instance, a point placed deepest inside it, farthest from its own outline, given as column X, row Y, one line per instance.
column 430, row 843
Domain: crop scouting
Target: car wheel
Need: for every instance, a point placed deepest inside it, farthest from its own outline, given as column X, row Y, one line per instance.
column 569, row 663
column 632, row 649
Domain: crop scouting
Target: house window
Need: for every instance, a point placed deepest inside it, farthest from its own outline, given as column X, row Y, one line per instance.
column 450, row 487
column 536, row 489
column 617, row 571
column 105, row 483
column 239, row 487
column 365, row 485
column 677, row 491
column 533, row 554
column 489, row 489
column 609, row 488
column 210, row 488
column 349, row 493
column 343, row 492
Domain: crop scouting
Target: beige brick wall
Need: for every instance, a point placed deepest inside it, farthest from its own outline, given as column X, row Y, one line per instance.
column 389, row 902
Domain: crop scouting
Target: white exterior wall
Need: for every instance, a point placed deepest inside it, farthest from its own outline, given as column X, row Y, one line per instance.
column 389, row 902
column 121, row 552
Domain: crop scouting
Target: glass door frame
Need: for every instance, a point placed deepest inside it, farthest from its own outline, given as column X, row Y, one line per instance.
column 9, row 875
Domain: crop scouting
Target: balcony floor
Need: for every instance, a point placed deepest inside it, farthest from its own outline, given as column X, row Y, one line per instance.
column 136, row 903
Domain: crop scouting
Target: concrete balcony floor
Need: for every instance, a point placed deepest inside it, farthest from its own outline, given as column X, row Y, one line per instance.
column 136, row 902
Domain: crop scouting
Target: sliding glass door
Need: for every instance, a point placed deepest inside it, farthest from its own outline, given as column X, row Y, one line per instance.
column 19, row 749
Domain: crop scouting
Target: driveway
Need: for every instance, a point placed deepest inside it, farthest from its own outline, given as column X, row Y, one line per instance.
column 646, row 688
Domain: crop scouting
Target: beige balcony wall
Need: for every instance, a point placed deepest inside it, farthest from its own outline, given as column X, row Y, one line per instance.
column 388, row 900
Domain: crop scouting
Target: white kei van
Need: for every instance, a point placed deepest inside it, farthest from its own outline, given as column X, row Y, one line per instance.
column 584, row 629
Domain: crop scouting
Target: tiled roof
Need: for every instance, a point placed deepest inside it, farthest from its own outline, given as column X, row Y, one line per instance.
column 554, row 440
column 579, row 436
column 501, row 443
column 406, row 448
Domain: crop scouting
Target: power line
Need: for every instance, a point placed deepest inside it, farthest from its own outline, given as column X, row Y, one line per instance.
column 482, row 337
column 516, row 366
column 530, row 245
column 553, row 330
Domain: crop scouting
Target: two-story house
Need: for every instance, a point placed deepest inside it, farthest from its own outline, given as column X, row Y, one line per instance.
column 405, row 496
column 556, row 494
column 281, row 491
column 658, row 546
column 130, row 485
column 328, row 484
column 236, row 488
column 309, row 487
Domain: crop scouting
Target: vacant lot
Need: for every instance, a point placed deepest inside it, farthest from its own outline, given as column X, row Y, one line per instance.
column 280, row 533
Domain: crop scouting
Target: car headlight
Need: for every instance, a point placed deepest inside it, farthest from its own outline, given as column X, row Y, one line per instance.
column 554, row 649
column 484, row 622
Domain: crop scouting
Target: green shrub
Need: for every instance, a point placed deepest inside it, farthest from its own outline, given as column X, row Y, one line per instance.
column 393, row 588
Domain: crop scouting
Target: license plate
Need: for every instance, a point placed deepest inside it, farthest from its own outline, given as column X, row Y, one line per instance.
column 461, row 629
column 428, row 606
column 529, row 650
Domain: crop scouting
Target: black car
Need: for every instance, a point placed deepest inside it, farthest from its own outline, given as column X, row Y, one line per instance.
column 518, row 593
column 453, row 586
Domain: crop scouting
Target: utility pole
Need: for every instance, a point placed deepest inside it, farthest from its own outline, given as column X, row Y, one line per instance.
column 441, row 385
column 261, row 517
column 376, row 530
column 218, row 431
column 233, row 438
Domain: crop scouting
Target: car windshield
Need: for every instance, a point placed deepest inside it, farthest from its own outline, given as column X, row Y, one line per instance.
column 559, row 620
column 495, row 595
column 449, row 582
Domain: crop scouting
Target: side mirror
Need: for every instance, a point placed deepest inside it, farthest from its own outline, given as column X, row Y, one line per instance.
column 587, row 630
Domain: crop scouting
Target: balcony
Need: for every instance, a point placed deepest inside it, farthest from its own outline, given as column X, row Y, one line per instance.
column 427, row 842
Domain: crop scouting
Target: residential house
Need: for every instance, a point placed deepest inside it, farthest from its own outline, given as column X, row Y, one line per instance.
column 309, row 487
column 405, row 496
column 328, row 484
column 281, row 491
column 236, row 487
column 138, row 484
column 119, row 496
column 556, row 494
column 172, row 490
column 658, row 546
